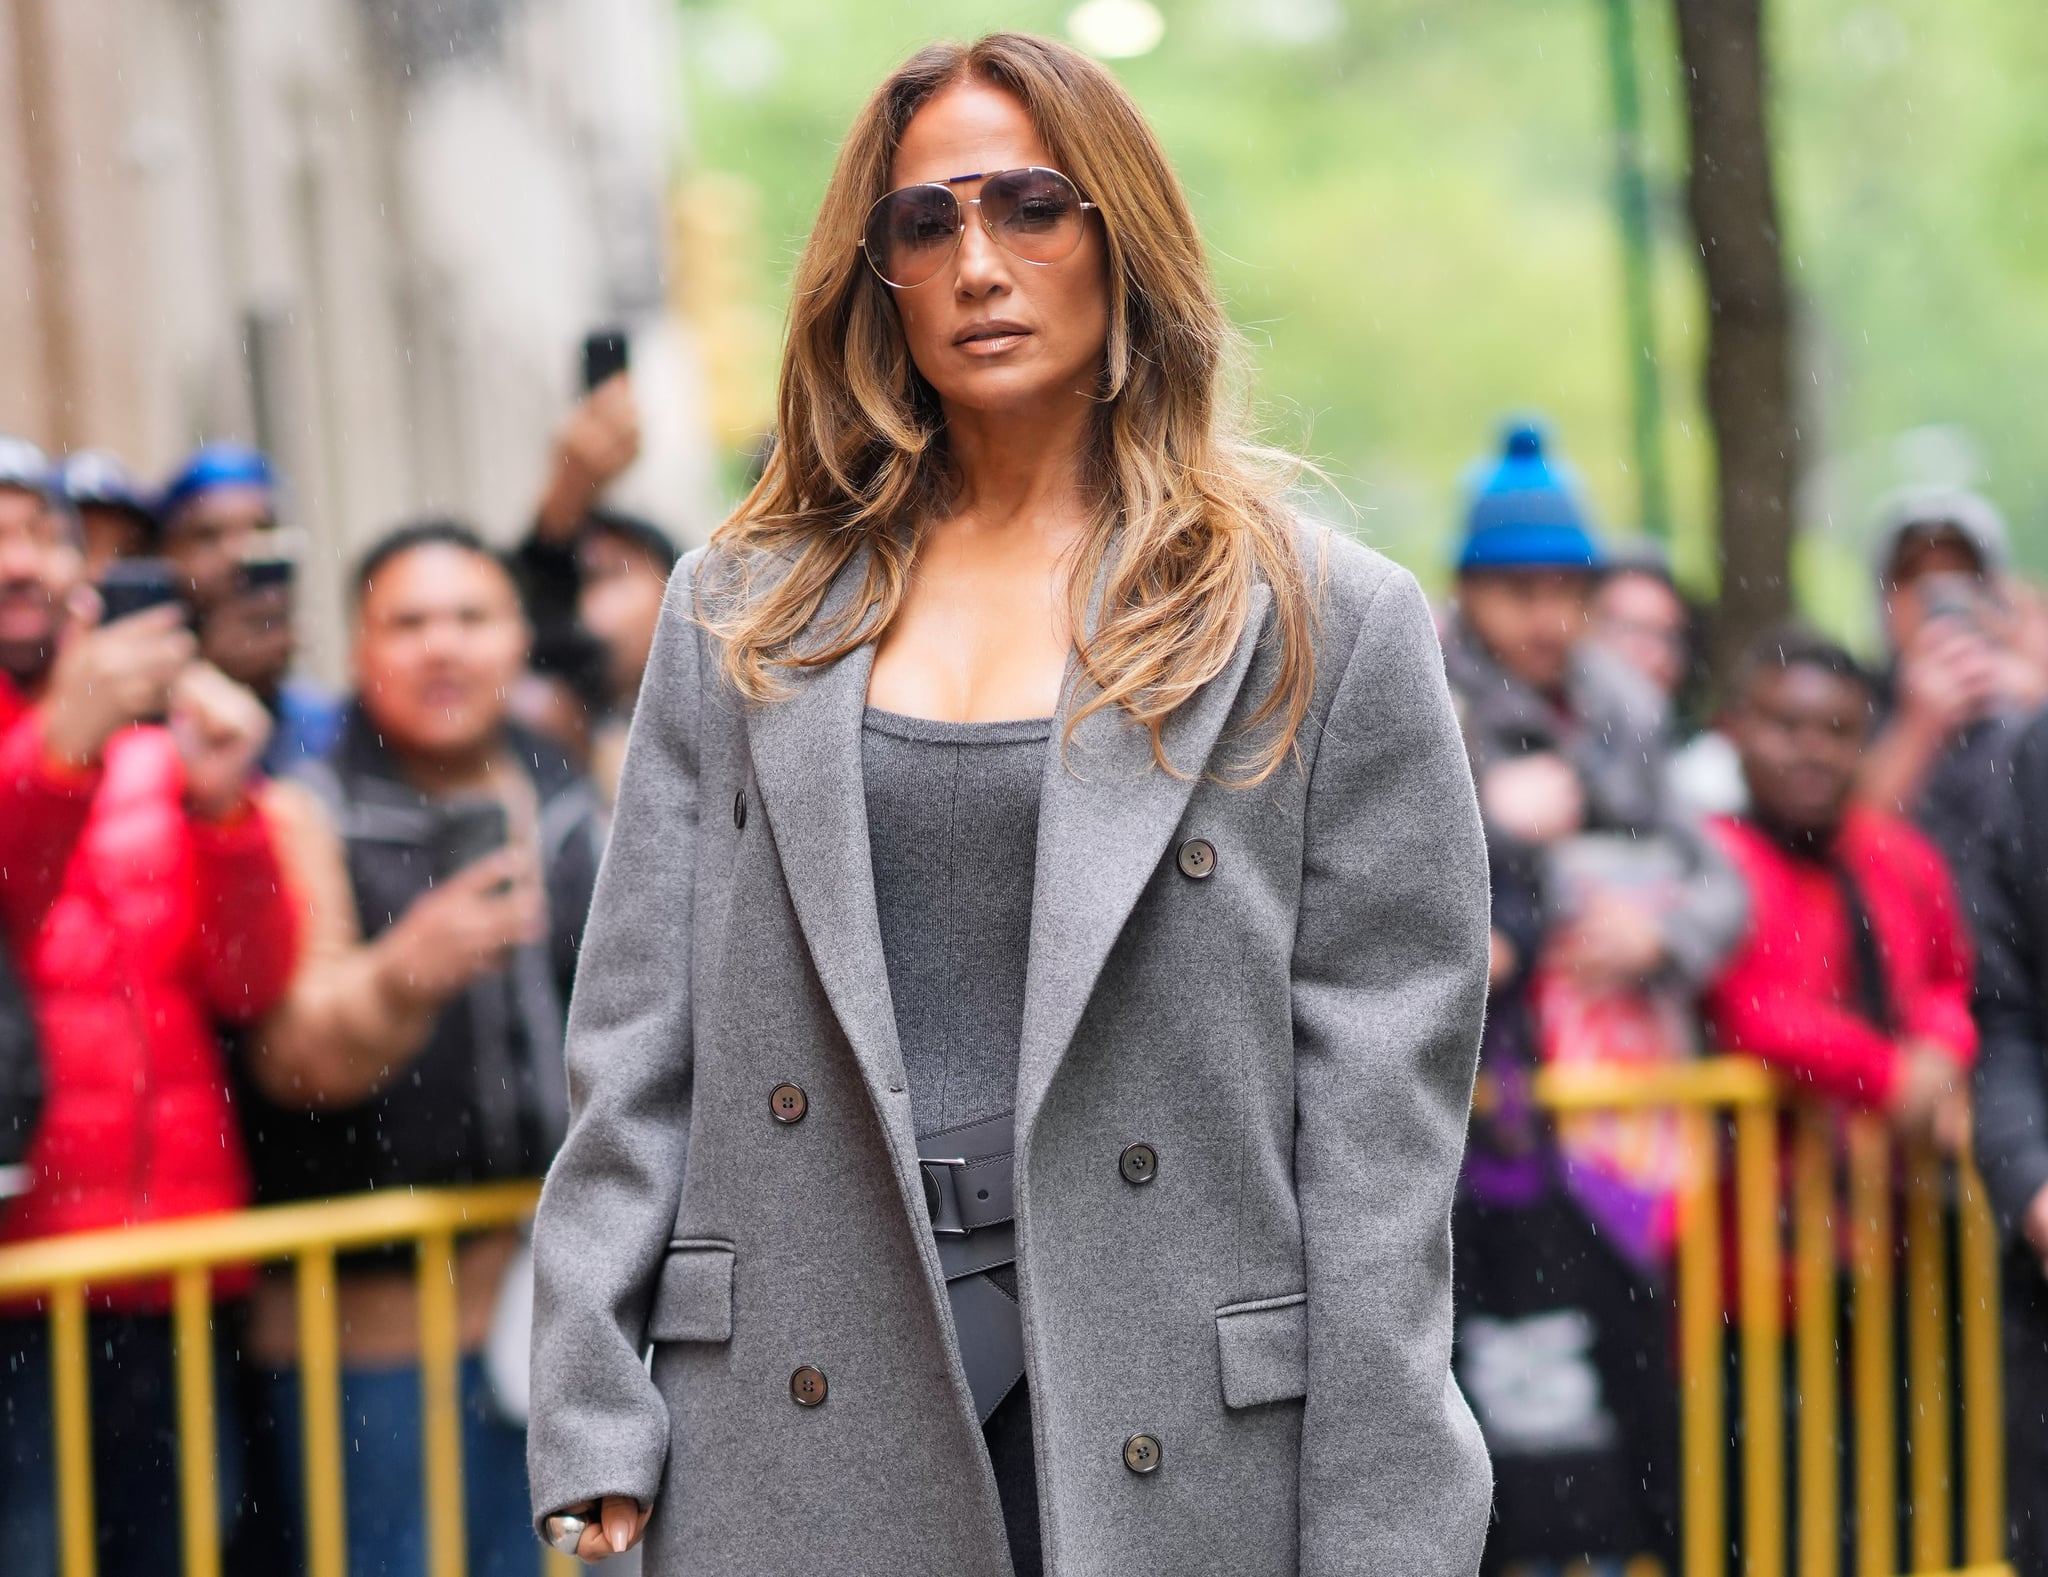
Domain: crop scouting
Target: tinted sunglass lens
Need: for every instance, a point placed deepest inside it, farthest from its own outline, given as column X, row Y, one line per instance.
column 911, row 232
column 1035, row 213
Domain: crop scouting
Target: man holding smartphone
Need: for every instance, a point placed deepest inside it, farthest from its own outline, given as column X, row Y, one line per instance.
column 142, row 905
column 1949, row 700
column 444, row 857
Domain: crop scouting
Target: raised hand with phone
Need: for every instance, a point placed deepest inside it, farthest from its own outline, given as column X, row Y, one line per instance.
column 486, row 902
column 596, row 443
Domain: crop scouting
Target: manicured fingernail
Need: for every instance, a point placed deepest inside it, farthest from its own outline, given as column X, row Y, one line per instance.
column 618, row 1540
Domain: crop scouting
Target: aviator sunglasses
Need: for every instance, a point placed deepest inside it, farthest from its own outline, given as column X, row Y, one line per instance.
column 1034, row 214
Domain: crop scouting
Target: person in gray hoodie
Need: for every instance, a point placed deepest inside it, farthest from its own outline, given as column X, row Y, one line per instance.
column 1951, row 695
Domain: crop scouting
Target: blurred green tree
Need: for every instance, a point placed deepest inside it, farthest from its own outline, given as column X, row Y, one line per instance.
column 1409, row 206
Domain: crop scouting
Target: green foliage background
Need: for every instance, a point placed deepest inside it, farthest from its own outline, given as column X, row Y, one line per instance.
column 1411, row 218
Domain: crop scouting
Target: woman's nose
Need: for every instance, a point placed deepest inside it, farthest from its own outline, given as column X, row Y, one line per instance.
column 980, row 265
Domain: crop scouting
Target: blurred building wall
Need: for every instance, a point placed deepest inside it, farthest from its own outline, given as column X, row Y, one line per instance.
column 367, row 234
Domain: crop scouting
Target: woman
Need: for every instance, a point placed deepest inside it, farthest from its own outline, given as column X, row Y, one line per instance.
column 1044, row 931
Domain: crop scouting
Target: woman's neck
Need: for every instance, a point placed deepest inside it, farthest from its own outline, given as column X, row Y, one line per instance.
column 1019, row 466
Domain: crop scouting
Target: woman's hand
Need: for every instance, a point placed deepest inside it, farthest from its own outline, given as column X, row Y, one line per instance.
column 612, row 1531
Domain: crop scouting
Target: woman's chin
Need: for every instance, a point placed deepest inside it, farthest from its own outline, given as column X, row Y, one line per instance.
column 1000, row 390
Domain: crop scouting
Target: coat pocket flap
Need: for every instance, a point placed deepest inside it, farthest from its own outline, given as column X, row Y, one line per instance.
column 693, row 1300
column 1263, row 1347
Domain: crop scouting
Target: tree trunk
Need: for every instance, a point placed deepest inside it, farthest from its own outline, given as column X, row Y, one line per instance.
column 1734, row 207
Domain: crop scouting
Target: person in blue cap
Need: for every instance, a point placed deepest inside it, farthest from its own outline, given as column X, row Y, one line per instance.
column 212, row 511
column 219, row 517
column 117, row 522
column 1603, row 892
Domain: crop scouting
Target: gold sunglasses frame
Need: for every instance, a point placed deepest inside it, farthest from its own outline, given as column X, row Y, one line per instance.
column 964, row 203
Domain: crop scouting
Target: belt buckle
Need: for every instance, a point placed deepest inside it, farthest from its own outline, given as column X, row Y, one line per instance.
column 935, row 1193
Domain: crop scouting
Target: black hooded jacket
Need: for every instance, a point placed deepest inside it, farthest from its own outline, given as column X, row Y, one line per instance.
column 2012, row 989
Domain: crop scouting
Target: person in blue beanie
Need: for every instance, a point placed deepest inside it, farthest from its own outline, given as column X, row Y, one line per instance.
column 219, row 515
column 211, row 512
column 1609, row 904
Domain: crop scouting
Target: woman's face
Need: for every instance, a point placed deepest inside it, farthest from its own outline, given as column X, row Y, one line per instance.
column 1050, row 321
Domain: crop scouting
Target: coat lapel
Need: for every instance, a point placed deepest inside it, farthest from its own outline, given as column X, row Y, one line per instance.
column 1106, row 813
column 806, row 750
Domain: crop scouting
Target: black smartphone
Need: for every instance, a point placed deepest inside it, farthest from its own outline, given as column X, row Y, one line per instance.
column 605, row 355
column 131, row 586
column 1961, row 598
column 260, row 574
column 465, row 831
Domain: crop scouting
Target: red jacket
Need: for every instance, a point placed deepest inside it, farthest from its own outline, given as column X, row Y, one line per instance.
column 155, row 928
column 1789, row 992
column 43, row 808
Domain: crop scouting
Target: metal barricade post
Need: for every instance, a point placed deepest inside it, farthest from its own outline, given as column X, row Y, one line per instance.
column 189, row 1251
column 1949, row 1333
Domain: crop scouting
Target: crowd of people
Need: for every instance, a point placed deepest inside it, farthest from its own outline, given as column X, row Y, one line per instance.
column 267, row 942
column 1808, row 872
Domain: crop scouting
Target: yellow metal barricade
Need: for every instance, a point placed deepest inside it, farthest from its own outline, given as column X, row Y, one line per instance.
column 60, row 1270
column 1954, row 1485
column 1945, row 1507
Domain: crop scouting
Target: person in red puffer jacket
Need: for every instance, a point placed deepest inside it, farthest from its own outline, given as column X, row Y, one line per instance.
column 1855, row 975
column 142, row 905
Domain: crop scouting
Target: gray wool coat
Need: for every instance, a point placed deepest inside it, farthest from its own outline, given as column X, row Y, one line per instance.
column 1293, row 1031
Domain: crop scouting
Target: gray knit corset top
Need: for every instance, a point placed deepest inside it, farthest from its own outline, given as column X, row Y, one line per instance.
column 953, row 833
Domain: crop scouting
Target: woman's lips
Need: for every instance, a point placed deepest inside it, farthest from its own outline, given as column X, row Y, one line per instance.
column 992, row 340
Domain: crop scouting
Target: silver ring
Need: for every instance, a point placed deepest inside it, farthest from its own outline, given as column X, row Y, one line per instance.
column 565, row 1531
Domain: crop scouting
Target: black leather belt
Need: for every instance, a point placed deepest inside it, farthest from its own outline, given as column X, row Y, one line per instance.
column 970, row 1193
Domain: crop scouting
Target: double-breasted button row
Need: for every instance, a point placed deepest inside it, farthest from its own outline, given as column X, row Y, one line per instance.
column 807, row 1386
column 1196, row 859
column 787, row 1103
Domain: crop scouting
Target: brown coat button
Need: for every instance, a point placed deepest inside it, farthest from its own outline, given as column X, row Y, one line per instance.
column 807, row 1386
column 1197, row 859
column 1139, row 1164
column 1141, row 1454
column 787, row 1103
column 739, row 809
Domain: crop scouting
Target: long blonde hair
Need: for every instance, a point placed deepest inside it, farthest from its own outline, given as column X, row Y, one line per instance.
column 1190, row 512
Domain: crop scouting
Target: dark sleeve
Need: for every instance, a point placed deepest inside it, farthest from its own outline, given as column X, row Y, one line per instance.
column 1517, row 896
column 21, row 1083
column 2012, row 974
column 549, row 580
column 572, row 878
